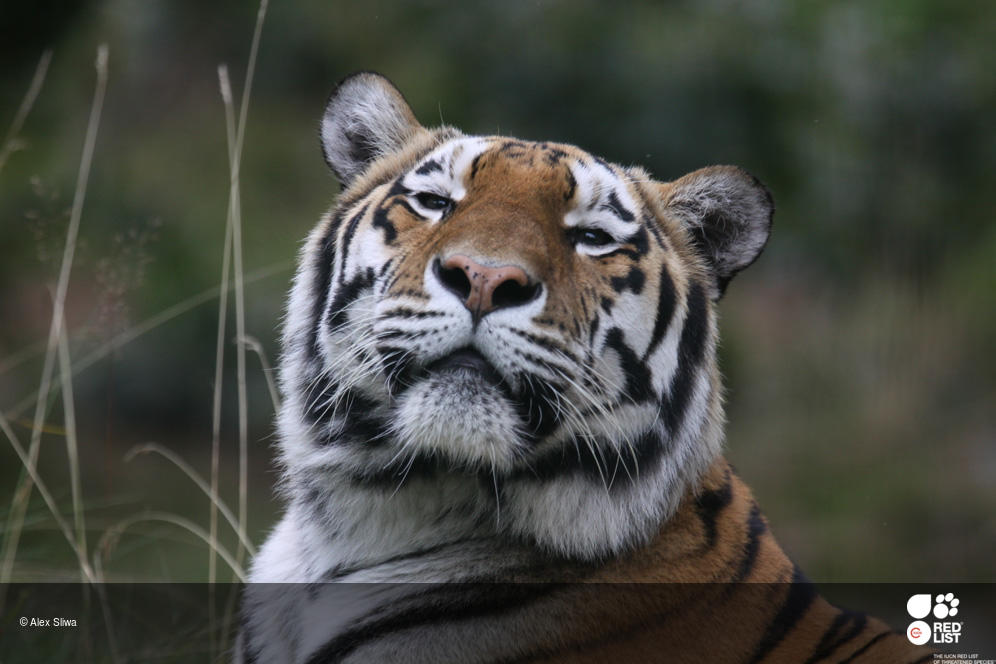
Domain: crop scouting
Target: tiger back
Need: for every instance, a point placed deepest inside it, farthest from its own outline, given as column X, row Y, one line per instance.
column 503, row 409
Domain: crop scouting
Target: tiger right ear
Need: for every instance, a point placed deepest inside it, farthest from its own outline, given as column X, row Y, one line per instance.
column 727, row 213
column 365, row 118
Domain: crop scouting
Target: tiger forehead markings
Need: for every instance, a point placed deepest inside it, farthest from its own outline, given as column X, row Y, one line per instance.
column 499, row 364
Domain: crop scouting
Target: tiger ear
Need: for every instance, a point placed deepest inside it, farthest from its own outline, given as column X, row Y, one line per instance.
column 365, row 118
column 728, row 214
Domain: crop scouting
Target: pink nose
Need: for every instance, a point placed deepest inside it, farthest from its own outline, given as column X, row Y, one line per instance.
column 485, row 289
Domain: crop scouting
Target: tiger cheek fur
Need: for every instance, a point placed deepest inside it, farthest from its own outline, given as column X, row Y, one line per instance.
column 500, row 365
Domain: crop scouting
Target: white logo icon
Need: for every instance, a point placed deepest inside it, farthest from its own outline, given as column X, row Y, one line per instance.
column 918, row 632
column 946, row 606
column 918, row 606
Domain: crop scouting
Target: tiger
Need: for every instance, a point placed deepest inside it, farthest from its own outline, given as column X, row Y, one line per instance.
column 501, row 438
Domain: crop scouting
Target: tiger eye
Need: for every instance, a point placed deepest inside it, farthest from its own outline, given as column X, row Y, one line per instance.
column 432, row 201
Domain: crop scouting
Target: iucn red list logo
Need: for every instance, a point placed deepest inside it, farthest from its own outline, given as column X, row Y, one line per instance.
column 942, row 607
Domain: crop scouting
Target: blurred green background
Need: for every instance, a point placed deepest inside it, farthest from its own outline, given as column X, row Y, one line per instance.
column 858, row 351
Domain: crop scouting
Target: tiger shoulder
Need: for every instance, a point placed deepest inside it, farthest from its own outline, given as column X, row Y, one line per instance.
column 502, row 427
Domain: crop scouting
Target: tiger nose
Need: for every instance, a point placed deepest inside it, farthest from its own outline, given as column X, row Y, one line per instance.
column 485, row 289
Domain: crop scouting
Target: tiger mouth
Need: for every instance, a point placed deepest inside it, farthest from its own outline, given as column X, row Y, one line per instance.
column 466, row 360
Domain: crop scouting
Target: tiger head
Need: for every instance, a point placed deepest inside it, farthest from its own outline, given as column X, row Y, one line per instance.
column 523, row 317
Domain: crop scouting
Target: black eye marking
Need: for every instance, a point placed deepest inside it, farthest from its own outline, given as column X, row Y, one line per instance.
column 430, row 166
column 590, row 237
column 431, row 201
column 614, row 206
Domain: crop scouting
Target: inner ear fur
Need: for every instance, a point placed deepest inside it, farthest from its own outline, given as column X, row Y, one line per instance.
column 366, row 117
column 727, row 213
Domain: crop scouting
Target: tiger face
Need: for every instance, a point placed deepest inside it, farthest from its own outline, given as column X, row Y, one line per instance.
column 523, row 319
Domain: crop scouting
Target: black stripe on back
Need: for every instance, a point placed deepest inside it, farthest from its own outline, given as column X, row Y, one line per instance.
column 863, row 649
column 710, row 504
column 845, row 627
column 447, row 603
column 755, row 528
column 800, row 596
column 337, row 573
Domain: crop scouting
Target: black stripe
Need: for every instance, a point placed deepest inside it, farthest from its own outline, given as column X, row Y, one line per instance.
column 544, row 342
column 411, row 314
column 347, row 236
column 322, row 392
column 324, row 261
column 638, row 387
column 572, row 186
column 755, row 528
column 552, row 155
column 342, row 571
column 346, row 294
column 475, row 165
column 510, row 145
column 447, row 603
column 535, row 405
column 614, row 206
column 422, row 464
column 356, row 412
column 800, row 596
column 599, row 461
column 832, row 639
column 653, row 224
column 863, row 649
column 430, row 166
column 640, row 241
column 381, row 221
column 710, row 504
column 665, row 310
column 636, row 630
column 633, row 281
column 326, row 268
column 398, row 333
column 250, row 655
column 604, row 164
column 398, row 362
column 691, row 348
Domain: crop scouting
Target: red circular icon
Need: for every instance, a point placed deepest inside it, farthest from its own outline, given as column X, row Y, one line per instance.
column 915, row 632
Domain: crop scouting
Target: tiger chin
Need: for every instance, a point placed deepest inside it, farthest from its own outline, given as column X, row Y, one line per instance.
column 501, row 437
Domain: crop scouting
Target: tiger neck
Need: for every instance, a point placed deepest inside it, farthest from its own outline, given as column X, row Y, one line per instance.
column 363, row 531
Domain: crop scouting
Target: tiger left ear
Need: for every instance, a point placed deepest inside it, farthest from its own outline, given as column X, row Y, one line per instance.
column 728, row 214
column 365, row 118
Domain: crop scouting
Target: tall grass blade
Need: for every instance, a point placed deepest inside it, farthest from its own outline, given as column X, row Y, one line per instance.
column 10, row 142
column 209, row 491
column 23, row 492
column 110, row 537
column 253, row 344
column 72, row 446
